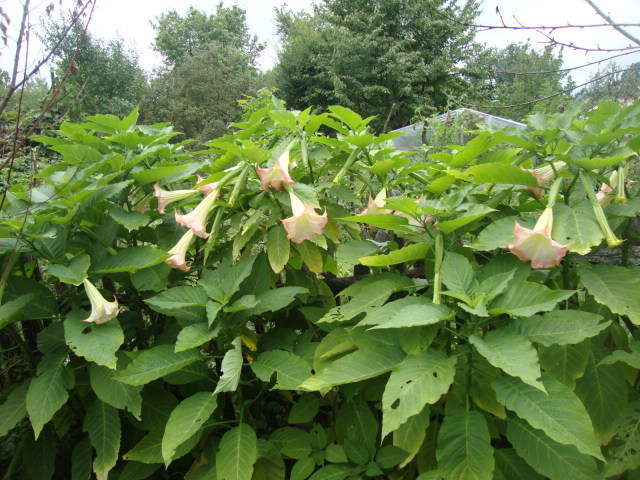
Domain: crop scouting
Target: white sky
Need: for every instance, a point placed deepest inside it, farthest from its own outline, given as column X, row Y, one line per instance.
column 130, row 19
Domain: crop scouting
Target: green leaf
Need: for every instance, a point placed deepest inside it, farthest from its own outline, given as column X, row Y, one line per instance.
column 82, row 460
column 278, row 248
column 356, row 422
column 194, row 336
column 603, row 391
column 498, row 234
column 513, row 466
column 510, row 352
column 332, row 472
column 381, row 220
column 158, row 173
column 410, row 253
column 559, row 412
column 116, row 394
column 311, row 256
column 418, row 380
column 153, row 278
column 596, row 163
column 407, row 312
column 565, row 363
column 302, row 469
column 131, row 259
column 464, row 447
column 12, row 310
column 304, row 410
column 354, row 367
column 496, row 173
column 48, row 391
column 176, row 298
column 291, row 369
column 75, row 272
column 275, row 299
column 149, row 449
column 576, row 225
column 129, row 220
column 14, row 408
column 350, row 253
column 269, row 465
column 552, row 459
column 457, row 274
column 523, row 299
column 473, row 213
column 40, row 456
column 410, row 435
column 292, row 442
column 140, row 471
column 622, row 454
column 96, row 343
column 102, row 423
column 185, row 420
column 156, row 362
column 611, row 285
column 560, row 327
column 231, row 368
column 632, row 359
column 356, row 452
column 237, row 453
column 389, row 456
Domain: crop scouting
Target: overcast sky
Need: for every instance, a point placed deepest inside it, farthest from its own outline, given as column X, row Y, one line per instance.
column 130, row 19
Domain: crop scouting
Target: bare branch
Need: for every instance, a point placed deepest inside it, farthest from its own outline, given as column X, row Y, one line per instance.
column 612, row 23
column 552, row 41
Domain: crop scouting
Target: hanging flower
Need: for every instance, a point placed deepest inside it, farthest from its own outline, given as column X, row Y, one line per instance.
column 376, row 206
column 537, row 245
column 197, row 218
column 179, row 252
column 544, row 175
column 101, row 310
column 604, row 199
column 165, row 197
column 305, row 222
column 274, row 176
column 207, row 188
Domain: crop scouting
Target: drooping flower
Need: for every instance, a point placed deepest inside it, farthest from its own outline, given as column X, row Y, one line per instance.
column 544, row 175
column 165, row 197
column 179, row 252
column 101, row 310
column 305, row 222
column 274, row 176
column 376, row 206
column 196, row 219
column 208, row 187
column 537, row 245
column 601, row 217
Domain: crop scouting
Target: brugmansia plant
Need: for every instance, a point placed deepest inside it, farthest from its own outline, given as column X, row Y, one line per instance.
column 303, row 301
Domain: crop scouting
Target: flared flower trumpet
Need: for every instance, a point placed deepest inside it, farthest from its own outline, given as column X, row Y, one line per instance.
column 179, row 252
column 196, row 219
column 376, row 205
column 165, row 197
column 101, row 310
column 536, row 245
column 544, row 175
column 305, row 223
column 274, row 176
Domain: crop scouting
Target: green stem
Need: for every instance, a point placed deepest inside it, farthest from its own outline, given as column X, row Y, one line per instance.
column 437, row 281
column 350, row 161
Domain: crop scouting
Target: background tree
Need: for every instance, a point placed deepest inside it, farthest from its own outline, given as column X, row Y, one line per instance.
column 612, row 84
column 503, row 77
column 393, row 59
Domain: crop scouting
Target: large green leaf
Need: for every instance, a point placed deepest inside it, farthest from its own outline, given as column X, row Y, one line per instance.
column 178, row 297
column 129, row 220
column 96, row 343
column 630, row 358
column 457, row 273
column 82, row 460
column 48, row 391
column 496, row 173
column 560, row 327
column 149, row 449
column 278, row 248
column 102, row 423
column 193, row 336
column 185, row 420
column 474, row 212
column 237, row 453
column 354, row 367
column 275, row 299
column 613, row 286
column 576, row 225
column 565, row 363
column 510, row 352
column 410, row 435
column 131, row 259
column 407, row 312
column 291, row 370
column 464, row 447
column 12, row 310
column 524, row 299
column 498, row 234
column 14, row 408
column 513, row 466
column 559, row 412
column 552, row 459
column 381, row 220
column 603, row 391
column 418, row 380
column 155, row 363
column 269, row 465
column 311, row 256
column 622, row 454
column 292, row 442
column 39, row 455
column 231, row 368
column 410, row 253
column 116, row 394
column 158, row 173
column 350, row 253
column 75, row 272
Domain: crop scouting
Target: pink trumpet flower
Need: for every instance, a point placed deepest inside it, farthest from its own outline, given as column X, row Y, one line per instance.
column 537, row 245
column 179, row 252
column 101, row 310
column 274, row 176
column 604, row 199
column 165, row 197
column 196, row 219
column 376, row 206
column 207, row 188
column 305, row 222
column 544, row 175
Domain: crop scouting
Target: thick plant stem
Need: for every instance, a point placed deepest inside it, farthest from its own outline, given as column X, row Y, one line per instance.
column 437, row 281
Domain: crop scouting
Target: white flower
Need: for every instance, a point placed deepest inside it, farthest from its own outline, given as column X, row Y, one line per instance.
column 101, row 310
